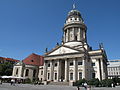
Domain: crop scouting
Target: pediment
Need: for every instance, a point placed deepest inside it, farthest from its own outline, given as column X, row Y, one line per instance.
column 63, row 50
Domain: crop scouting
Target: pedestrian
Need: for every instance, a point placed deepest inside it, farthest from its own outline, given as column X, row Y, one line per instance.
column 78, row 88
column 13, row 82
column 0, row 81
column 112, row 85
column 85, row 85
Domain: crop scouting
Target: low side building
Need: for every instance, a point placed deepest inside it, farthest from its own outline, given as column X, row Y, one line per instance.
column 11, row 60
column 113, row 69
column 29, row 67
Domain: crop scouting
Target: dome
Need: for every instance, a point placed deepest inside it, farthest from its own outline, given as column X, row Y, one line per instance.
column 74, row 13
column 74, row 16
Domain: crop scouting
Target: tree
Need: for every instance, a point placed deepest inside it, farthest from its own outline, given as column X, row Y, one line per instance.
column 80, row 82
column 95, row 82
column 116, row 80
column 1, row 69
column 106, row 82
column 6, row 69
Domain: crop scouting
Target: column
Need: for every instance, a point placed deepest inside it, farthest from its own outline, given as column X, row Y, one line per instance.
column 64, row 37
column 73, row 30
column 102, row 70
column 98, row 70
column 84, row 69
column 66, row 70
column 45, row 70
column 51, row 70
column 75, row 70
column 58, row 70
column 67, row 35
column 79, row 34
column 68, row 32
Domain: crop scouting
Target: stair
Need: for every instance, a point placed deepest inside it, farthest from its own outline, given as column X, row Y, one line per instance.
column 59, row 83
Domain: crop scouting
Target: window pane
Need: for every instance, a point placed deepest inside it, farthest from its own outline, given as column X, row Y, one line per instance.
column 48, row 76
column 93, row 75
column 93, row 64
column 55, row 76
column 49, row 65
column 79, row 63
column 71, row 63
column 71, row 76
column 80, row 75
column 55, row 64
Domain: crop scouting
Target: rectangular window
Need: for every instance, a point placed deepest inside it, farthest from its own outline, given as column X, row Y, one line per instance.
column 55, row 76
column 71, row 63
column 93, row 75
column 48, row 76
column 71, row 76
column 80, row 75
column 79, row 63
column 93, row 64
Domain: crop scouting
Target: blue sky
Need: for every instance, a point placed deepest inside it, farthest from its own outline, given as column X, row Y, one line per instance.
column 29, row 26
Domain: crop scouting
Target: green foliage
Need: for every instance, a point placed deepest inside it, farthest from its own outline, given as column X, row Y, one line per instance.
column 107, row 82
column 80, row 82
column 28, row 81
column 116, row 80
column 6, row 69
column 94, row 82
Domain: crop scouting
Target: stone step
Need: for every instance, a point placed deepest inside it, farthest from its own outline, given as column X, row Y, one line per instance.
column 58, row 83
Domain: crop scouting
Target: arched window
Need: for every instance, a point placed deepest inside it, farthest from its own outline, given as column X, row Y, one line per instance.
column 16, row 71
column 27, row 72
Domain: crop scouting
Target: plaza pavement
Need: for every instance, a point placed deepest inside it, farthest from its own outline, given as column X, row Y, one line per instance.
column 7, row 86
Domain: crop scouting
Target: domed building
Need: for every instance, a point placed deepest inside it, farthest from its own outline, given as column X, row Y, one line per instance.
column 74, row 59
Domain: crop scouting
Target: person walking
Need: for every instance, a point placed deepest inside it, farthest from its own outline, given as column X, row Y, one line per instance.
column 85, row 85
column 13, row 82
column 0, row 81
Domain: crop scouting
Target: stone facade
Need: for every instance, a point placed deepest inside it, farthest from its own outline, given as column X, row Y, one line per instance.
column 113, row 69
column 74, row 59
